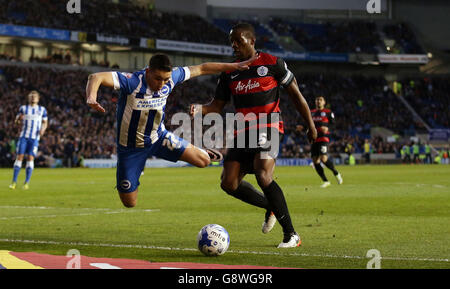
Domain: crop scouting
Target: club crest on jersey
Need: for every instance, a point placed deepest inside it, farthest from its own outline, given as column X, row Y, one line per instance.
column 125, row 184
column 323, row 114
column 164, row 91
column 262, row 71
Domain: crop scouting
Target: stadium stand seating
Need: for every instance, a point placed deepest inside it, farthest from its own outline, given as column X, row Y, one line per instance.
column 265, row 39
column 70, row 120
column 429, row 98
column 112, row 18
column 334, row 37
column 349, row 36
column 404, row 38
column 358, row 102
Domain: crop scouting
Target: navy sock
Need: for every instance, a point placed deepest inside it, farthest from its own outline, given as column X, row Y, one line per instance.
column 279, row 207
column 247, row 193
column 320, row 171
column 329, row 164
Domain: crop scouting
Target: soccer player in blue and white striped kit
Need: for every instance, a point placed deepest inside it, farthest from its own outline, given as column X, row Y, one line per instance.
column 34, row 123
column 140, row 114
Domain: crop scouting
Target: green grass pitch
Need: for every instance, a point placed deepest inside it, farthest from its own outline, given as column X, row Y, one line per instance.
column 403, row 211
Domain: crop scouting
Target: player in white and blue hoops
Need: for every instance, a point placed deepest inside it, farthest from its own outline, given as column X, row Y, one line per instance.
column 34, row 123
column 140, row 115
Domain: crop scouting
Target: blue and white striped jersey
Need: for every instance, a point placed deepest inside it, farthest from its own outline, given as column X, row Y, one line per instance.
column 32, row 120
column 140, row 111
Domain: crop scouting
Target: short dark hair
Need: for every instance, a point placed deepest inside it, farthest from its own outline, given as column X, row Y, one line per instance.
column 160, row 61
column 246, row 27
column 35, row 92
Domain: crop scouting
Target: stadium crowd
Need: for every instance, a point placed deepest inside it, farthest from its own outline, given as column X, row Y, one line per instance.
column 334, row 37
column 76, row 132
column 111, row 18
column 429, row 97
column 124, row 19
column 405, row 40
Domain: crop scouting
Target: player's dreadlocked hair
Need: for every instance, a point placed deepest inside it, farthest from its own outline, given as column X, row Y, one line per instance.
column 160, row 61
column 247, row 28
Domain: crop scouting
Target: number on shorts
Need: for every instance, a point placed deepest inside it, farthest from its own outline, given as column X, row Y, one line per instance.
column 170, row 142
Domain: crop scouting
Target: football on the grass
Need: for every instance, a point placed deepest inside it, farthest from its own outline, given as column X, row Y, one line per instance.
column 213, row 240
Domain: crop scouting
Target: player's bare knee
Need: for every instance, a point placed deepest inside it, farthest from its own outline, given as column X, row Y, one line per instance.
column 263, row 178
column 228, row 186
column 225, row 186
column 206, row 161
column 202, row 160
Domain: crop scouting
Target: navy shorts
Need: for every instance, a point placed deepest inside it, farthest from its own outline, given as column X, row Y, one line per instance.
column 319, row 149
column 246, row 156
column 27, row 146
column 131, row 161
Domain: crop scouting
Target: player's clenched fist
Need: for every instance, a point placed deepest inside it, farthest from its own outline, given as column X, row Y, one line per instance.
column 312, row 134
column 195, row 108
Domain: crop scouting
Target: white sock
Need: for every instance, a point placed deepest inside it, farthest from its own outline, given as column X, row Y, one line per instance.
column 30, row 164
column 18, row 163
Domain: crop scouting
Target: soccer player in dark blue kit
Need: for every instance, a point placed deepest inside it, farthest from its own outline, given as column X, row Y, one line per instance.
column 140, row 115
column 256, row 92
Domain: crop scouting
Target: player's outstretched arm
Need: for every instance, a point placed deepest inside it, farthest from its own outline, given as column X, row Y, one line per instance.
column 93, row 84
column 217, row 67
column 302, row 107
column 216, row 106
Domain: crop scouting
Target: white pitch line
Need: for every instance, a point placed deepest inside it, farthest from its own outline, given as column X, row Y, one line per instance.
column 34, row 207
column 71, row 215
column 230, row 251
column 64, row 208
